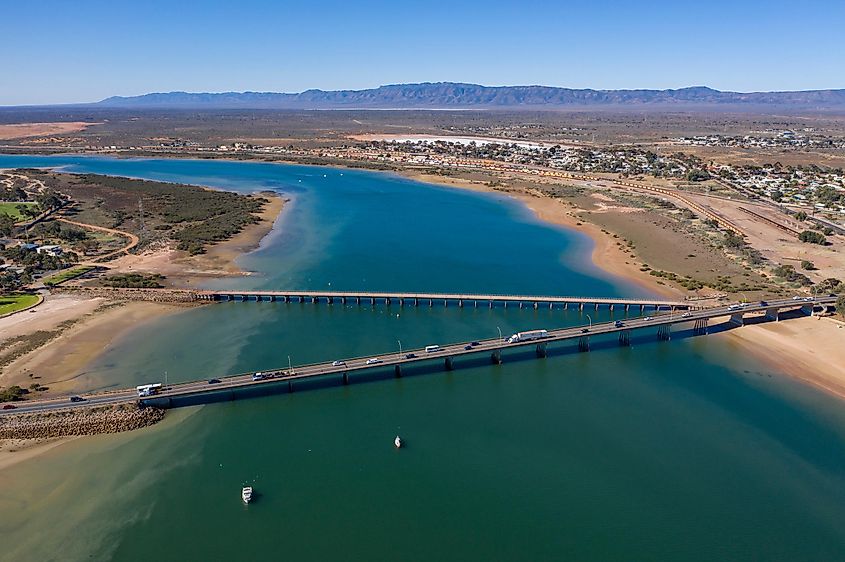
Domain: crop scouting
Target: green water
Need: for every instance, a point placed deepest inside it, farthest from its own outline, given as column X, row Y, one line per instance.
column 684, row 450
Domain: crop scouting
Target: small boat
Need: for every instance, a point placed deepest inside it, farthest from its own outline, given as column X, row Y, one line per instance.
column 398, row 442
column 246, row 494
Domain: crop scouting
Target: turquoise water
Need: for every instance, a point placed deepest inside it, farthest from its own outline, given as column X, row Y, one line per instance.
column 684, row 450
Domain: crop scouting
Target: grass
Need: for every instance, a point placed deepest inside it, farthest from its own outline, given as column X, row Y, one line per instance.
column 13, row 303
column 63, row 276
column 11, row 209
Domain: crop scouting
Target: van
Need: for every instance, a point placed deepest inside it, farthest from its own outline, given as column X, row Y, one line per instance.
column 258, row 377
column 432, row 348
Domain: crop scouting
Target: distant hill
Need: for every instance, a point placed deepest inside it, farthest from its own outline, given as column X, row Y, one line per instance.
column 449, row 95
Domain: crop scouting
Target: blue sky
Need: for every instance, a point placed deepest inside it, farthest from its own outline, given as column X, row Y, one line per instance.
column 76, row 51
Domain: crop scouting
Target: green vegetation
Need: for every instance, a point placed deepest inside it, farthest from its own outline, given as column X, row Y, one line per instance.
column 192, row 216
column 788, row 273
column 134, row 281
column 801, row 216
column 19, row 211
column 13, row 303
column 7, row 223
column 812, row 237
column 807, row 265
column 733, row 240
column 67, row 274
column 12, row 394
column 830, row 285
column 840, row 305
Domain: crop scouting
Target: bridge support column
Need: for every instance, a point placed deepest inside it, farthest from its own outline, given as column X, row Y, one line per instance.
column 521, row 305
column 664, row 333
column 505, row 304
column 551, row 306
column 566, row 306
column 625, row 338
column 496, row 357
column 402, row 303
column 330, row 300
column 460, row 303
column 627, row 306
column 372, row 301
column 611, row 306
column 290, row 387
column 541, row 350
column 491, row 304
column 642, row 308
column 430, row 303
column 536, row 305
column 345, row 377
column 584, row 343
column 581, row 306
column 447, row 364
column 416, row 301
column 773, row 314
column 313, row 300
column 342, row 300
column 387, row 301
column 597, row 306
column 475, row 304
column 358, row 301
column 445, row 303
column 738, row 319
column 700, row 327
column 397, row 371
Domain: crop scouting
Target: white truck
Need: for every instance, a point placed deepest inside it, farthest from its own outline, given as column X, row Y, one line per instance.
column 148, row 389
column 528, row 336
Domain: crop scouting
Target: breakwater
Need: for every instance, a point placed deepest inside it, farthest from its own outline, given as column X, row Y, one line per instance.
column 63, row 423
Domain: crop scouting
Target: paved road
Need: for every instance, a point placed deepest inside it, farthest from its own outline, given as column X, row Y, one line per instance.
column 412, row 356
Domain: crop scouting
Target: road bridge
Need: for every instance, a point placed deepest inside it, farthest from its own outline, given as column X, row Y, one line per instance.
column 286, row 379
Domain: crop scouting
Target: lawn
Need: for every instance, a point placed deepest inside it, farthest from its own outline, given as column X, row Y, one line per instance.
column 63, row 276
column 13, row 303
column 11, row 208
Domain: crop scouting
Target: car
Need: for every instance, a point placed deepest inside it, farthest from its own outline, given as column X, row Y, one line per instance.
column 686, row 314
column 258, row 377
column 338, row 363
column 77, row 399
column 432, row 348
column 809, row 299
column 467, row 347
column 213, row 381
column 764, row 303
column 475, row 343
column 647, row 318
column 584, row 330
column 373, row 361
column 796, row 298
column 9, row 406
column 618, row 323
column 410, row 355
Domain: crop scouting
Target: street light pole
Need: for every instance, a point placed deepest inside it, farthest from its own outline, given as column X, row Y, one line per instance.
column 500, row 333
column 591, row 321
column 400, row 348
column 166, row 386
column 290, row 367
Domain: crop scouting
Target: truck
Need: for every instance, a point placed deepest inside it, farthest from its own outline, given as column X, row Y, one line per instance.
column 148, row 389
column 528, row 336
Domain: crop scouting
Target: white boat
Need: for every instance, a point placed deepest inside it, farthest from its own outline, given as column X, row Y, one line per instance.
column 246, row 494
column 398, row 442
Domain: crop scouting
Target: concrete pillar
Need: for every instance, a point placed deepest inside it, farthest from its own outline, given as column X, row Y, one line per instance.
column 460, row 303
column 540, row 350
column 416, row 301
column 737, row 319
column 664, row 333
column 496, row 357
column 445, row 303
column 372, row 301
column 290, row 387
column 581, row 306
column 358, row 300
column 447, row 363
column 521, row 304
column 475, row 304
column 773, row 314
column 627, row 306
column 397, row 371
column 584, row 343
column 566, row 306
column 491, row 304
column 551, row 305
column 430, row 303
column 330, row 300
column 342, row 300
column 387, row 301
column 401, row 302
column 313, row 300
column 611, row 306
column 625, row 338
column 345, row 377
column 597, row 306
column 536, row 305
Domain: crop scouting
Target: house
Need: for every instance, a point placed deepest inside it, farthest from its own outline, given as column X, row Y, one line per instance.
column 52, row 249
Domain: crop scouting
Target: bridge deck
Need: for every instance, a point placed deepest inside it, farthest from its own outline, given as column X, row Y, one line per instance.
column 393, row 359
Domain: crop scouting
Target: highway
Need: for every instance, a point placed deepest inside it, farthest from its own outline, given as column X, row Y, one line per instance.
column 446, row 353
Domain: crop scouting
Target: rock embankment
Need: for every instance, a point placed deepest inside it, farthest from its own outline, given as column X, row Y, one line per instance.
column 126, row 294
column 81, row 421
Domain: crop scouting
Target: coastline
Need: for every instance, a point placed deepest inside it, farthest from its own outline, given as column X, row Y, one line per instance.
column 606, row 254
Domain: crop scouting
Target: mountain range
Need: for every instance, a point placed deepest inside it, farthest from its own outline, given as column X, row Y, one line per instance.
column 450, row 95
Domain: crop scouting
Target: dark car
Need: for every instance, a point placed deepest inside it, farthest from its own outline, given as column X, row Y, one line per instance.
column 764, row 303
column 213, row 381
column 584, row 330
column 475, row 343
column 619, row 323
column 410, row 355
column 9, row 406
column 77, row 399
column 468, row 347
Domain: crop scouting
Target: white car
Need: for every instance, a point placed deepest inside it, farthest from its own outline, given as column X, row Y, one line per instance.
column 338, row 363
column 647, row 318
column 686, row 314
column 373, row 361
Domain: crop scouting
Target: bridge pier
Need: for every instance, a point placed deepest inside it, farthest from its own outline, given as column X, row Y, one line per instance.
column 345, row 378
column 358, row 301
column 773, row 314
column 491, row 304
column 611, row 306
column 430, row 303
column 447, row 363
column 416, row 301
column 551, row 305
column 581, row 307
column 401, row 302
column 397, row 371
column 700, row 327
column 642, row 308
column 521, row 305
column 290, row 387
column 627, row 306
column 460, row 303
column 584, row 343
column 387, row 301
column 445, row 303
column 566, row 306
column 536, row 305
column 496, row 357
column 313, row 300
column 597, row 306
column 372, row 301
column 664, row 333
column 541, row 350
column 738, row 319
column 625, row 338
column 475, row 304
column 330, row 300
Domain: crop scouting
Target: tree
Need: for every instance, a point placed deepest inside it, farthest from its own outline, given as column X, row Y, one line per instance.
column 6, row 224
column 812, row 237
column 840, row 305
column 733, row 240
column 807, row 265
column 801, row 216
column 830, row 285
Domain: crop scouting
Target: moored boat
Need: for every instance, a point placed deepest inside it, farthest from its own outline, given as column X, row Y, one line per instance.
column 398, row 442
column 246, row 494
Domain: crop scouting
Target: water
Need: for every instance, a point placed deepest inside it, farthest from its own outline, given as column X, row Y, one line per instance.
column 683, row 451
